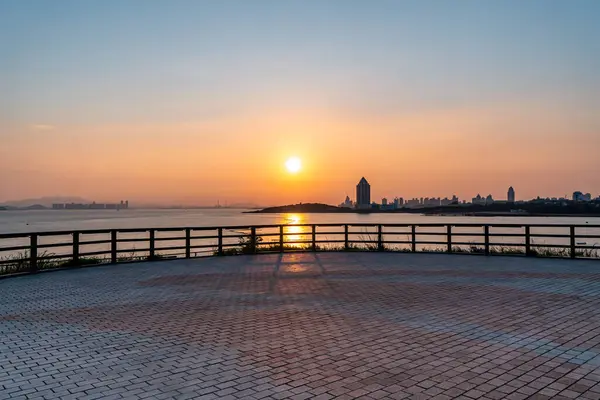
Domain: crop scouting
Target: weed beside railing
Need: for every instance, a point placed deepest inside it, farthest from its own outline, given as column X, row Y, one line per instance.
column 20, row 263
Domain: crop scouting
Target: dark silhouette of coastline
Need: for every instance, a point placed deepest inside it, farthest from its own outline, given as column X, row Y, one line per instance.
column 304, row 208
column 532, row 208
column 31, row 207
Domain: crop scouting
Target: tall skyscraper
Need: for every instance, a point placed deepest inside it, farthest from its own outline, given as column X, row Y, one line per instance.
column 363, row 194
column 511, row 195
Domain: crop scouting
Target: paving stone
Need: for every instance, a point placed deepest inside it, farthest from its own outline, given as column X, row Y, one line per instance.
column 299, row 326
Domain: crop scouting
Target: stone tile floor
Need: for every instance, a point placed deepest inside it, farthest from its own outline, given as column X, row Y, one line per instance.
column 299, row 326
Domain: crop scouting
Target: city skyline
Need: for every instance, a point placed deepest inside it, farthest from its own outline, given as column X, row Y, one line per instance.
column 363, row 188
column 185, row 102
column 363, row 199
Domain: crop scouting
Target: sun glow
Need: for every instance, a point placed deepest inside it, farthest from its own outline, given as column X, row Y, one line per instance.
column 293, row 165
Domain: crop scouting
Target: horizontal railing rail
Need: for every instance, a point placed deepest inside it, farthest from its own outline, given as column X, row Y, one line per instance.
column 35, row 251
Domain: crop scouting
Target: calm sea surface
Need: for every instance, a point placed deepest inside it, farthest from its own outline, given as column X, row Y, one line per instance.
column 61, row 220
column 56, row 220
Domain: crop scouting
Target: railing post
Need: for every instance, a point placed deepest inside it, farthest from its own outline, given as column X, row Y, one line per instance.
column 527, row 240
column 573, row 249
column 220, row 242
column 281, row 238
column 486, row 231
column 449, row 233
column 113, row 246
column 346, row 242
column 33, row 255
column 75, row 248
column 414, row 238
column 314, row 238
column 188, row 242
column 152, row 247
column 253, row 240
column 379, row 238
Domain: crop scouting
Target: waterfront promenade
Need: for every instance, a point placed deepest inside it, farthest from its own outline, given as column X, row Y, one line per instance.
column 305, row 325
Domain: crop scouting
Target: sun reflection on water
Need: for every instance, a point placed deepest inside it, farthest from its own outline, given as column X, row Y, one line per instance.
column 293, row 232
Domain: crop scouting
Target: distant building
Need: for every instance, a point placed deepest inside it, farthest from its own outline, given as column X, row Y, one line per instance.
column 577, row 196
column 91, row 206
column 97, row 206
column 416, row 202
column 511, row 195
column 363, row 194
column 478, row 200
column 433, row 201
column 587, row 197
column 389, row 205
column 413, row 203
column 483, row 200
column 347, row 203
column 76, row 206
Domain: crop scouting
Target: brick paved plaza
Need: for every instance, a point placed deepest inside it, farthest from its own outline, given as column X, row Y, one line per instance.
column 298, row 326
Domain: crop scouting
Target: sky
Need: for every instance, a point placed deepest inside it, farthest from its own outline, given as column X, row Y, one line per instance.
column 194, row 102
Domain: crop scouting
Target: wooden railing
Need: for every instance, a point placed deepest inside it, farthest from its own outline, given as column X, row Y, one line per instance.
column 32, row 252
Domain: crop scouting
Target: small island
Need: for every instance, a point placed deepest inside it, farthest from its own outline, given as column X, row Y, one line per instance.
column 306, row 208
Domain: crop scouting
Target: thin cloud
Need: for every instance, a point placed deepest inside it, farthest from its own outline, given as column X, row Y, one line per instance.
column 42, row 127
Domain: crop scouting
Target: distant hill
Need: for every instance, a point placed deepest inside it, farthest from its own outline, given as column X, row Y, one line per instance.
column 303, row 208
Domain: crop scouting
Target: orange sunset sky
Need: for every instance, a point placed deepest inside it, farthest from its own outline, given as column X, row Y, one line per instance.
column 183, row 104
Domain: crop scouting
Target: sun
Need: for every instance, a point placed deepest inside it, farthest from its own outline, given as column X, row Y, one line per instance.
column 293, row 164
